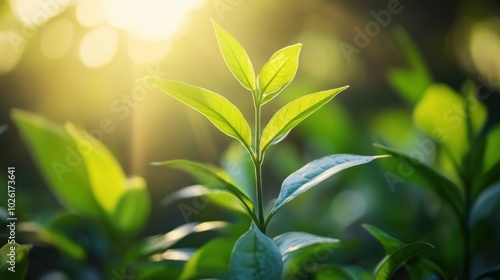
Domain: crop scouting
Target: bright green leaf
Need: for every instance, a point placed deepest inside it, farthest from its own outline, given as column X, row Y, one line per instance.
column 392, row 262
column 107, row 179
column 213, row 178
column 441, row 114
column 390, row 243
column 132, row 210
column 292, row 114
column 14, row 268
column 314, row 173
column 220, row 111
column 210, row 261
column 447, row 191
column 235, row 57
column 255, row 256
column 61, row 164
column 278, row 72
column 292, row 241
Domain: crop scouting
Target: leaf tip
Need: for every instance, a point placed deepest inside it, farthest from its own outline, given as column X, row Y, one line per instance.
column 381, row 156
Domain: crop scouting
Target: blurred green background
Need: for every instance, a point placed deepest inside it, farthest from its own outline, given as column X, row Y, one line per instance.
column 78, row 61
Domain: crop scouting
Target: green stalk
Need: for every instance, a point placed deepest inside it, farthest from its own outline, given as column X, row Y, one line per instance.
column 257, row 162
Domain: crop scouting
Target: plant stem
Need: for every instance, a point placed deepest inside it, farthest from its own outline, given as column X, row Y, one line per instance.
column 257, row 162
column 466, row 231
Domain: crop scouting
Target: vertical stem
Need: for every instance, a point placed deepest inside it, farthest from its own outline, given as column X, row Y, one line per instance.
column 258, row 165
column 466, row 232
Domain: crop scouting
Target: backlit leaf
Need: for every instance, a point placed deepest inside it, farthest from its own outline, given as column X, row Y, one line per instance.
column 235, row 57
column 220, row 111
column 292, row 114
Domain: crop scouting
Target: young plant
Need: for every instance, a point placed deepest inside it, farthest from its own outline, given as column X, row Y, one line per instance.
column 255, row 255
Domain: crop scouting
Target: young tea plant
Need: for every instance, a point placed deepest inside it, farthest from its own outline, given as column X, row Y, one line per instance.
column 255, row 255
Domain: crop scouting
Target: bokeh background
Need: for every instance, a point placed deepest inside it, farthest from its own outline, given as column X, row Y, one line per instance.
column 79, row 61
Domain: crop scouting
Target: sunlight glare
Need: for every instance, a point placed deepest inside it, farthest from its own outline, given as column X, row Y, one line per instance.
column 98, row 46
column 151, row 19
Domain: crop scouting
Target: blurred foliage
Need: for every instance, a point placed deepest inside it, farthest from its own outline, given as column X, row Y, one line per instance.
column 78, row 62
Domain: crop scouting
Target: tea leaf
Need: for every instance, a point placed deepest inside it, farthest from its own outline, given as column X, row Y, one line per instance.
column 292, row 114
column 314, row 173
column 220, row 111
column 447, row 191
column 292, row 241
column 213, row 178
column 132, row 210
column 390, row 243
column 278, row 72
column 255, row 256
column 395, row 260
column 60, row 162
column 236, row 58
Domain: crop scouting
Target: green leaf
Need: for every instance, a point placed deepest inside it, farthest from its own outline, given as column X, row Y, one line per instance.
column 410, row 83
column 278, row 72
column 106, row 177
column 255, row 256
column 291, row 242
column 58, row 233
column 14, row 261
column 486, row 180
column 328, row 272
column 441, row 114
column 210, row 261
column 235, row 57
column 163, row 242
column 292, row 114
column 392, row 262
column 314, row 173
column 132, row 210
column 60, row 162
column 220, row 111
column 390, row 243
column 219, row 197
column 445, row 189
column 213, row 178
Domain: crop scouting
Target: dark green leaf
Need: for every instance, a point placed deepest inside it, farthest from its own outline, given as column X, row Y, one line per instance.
column 255, row 256
column 447, row 191
column 410, row 83
column 220, row 111
column 392, row 262
column 487, row 179
column 14, row 261
column 235, row 57
column 390, row 243
column 212, row 177
column 314, row 173
column 493, row 273
column 292, row 114
column 278, row 72
column 329, row 272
